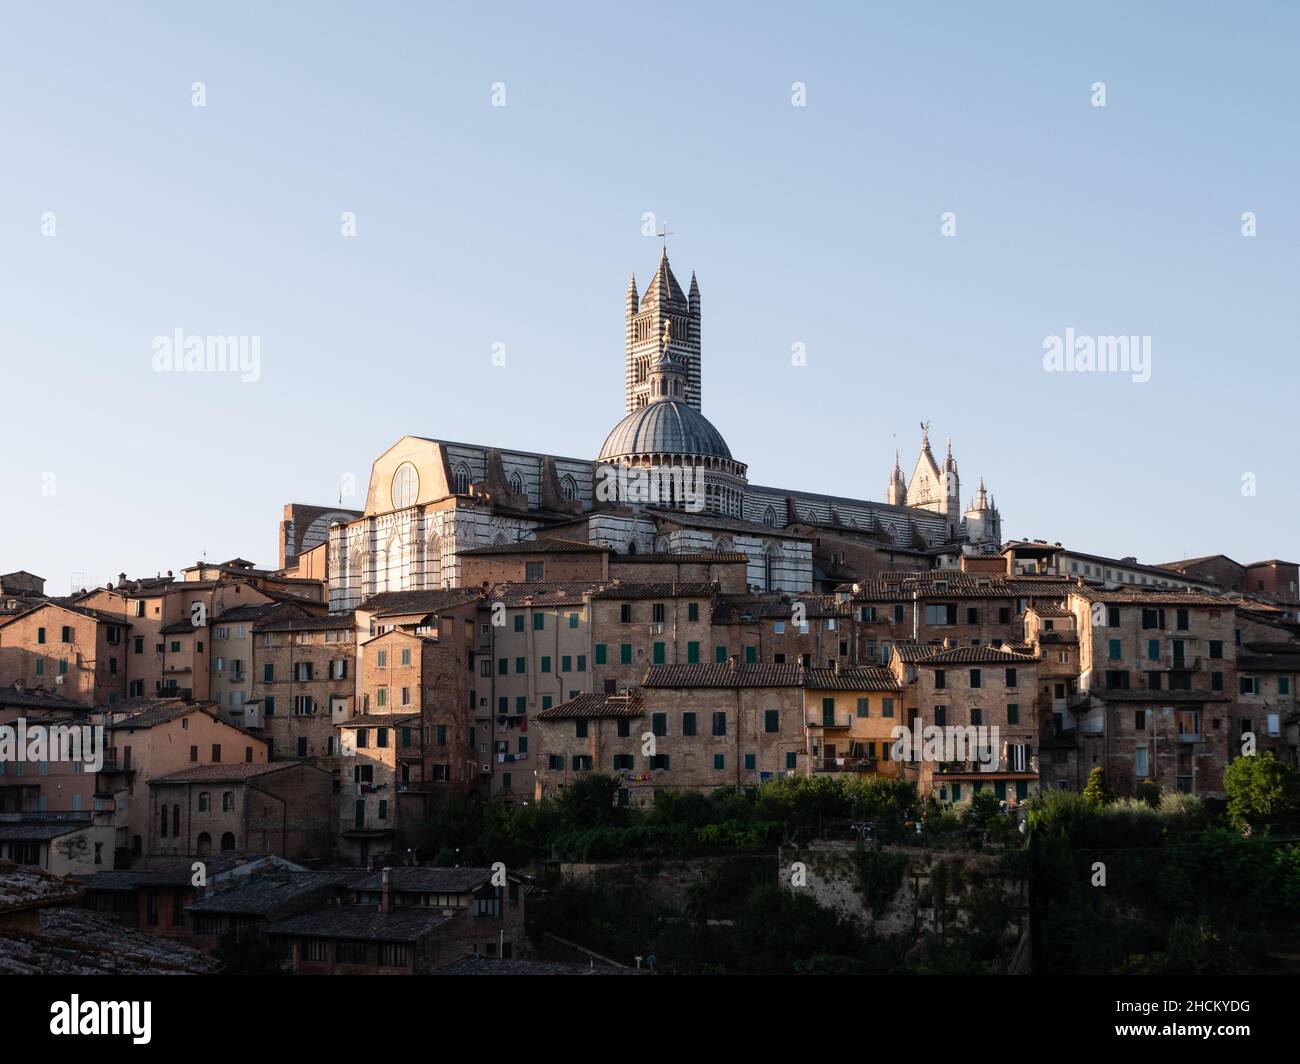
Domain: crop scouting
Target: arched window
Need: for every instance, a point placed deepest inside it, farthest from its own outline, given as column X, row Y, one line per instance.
column 568, row 487
column 176, row 820
column 228, row 841
column 516, row 482
column 205, row 801
column 227, row 803
column 631, row 546
column 460, row 480
column 769, row 518
column 203, row 846
column 405, row 486
column 162, row 822
column 769, row 567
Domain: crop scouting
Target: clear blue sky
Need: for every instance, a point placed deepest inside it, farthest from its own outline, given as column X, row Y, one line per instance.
column 519, row 225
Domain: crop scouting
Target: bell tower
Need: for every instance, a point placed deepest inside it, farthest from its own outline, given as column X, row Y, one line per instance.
column 663, row 304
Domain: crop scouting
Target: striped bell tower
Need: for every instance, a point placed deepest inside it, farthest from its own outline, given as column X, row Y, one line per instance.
column 663, row 303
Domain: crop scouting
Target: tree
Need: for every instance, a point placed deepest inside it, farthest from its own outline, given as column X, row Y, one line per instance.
column 1095, row 791
column 1259, row 788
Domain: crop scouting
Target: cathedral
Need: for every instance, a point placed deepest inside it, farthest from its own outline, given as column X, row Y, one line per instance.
column 663, row 482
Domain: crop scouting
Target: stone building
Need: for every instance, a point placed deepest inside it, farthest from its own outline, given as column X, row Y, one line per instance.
column 157, row 738
column 281, row 807
column 1157, row 683
column 303, row 683
column 77, row 652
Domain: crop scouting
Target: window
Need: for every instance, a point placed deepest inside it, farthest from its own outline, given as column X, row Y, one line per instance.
column 688, row 724
column 1116, row 649
column 519, row 622
column 864, row 707
column 349, row 952
column 1013, row 713
column 622, row 762
column 659, row 724
column 602, row 654
column 771, row 720
column 1011, row 677
column 392, row 955
column 227, row 801
column 539, row 622
column 886, row 707
column 216, row 753
column 692, row 653
column 940, row 679
column 751, row 762
column 534, row 572
column 625, row 654
column 580, row 729
column 40, row 635
column 693, row 611
column 976, row 678
column 205, row 802
column 546, row 663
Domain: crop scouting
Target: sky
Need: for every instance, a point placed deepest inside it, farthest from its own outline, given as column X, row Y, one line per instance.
column 500, row 166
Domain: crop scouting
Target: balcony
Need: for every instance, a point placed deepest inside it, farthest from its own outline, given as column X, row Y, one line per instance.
column 844, row 764
column 835, row 723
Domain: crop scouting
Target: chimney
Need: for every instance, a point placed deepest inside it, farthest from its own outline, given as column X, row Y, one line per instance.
column 386, row 891
column 835, row 666
column 733, row 661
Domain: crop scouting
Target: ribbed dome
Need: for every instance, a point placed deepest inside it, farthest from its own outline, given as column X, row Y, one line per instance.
column 665, row 426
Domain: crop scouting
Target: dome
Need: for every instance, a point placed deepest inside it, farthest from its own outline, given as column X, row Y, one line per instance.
column 666, row 426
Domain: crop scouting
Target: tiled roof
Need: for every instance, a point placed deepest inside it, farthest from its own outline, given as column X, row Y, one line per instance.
column 910, row 653
column 594, row 706
column 307, row 624
column 656, row 590
column 397, row 603
column 127, row 881
column 975, row 656
column 1046, row 609
column 1271, row 662
column 42, row 830
column 39, row 699
column 730, row 524
column 1153, row 597
column 76, row 941
column 428, row 880
column 259, row 895
column 234, row 772
column 723, row 675
column 858, row 678
column 154, row 711
column 552, row 593
column 541, row 546
column 23, row 887
column 679, row 559
column 362, row 923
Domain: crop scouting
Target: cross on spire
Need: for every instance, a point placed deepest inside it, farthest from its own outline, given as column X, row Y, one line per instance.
column 664, row 234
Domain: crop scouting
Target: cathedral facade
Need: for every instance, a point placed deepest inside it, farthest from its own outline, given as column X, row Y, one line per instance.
column 664, row 482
